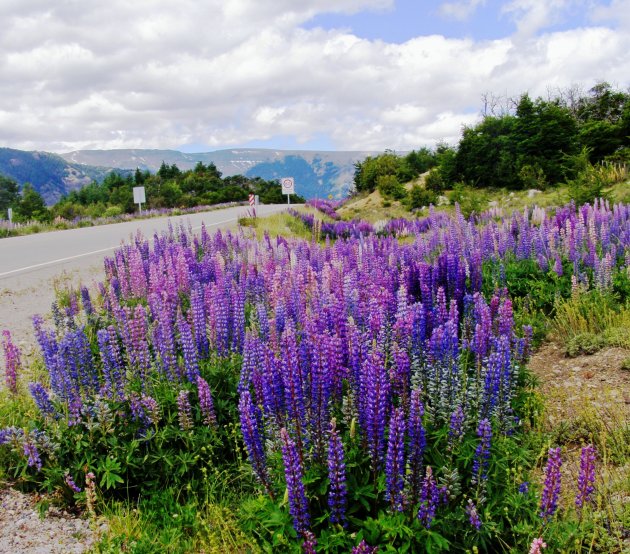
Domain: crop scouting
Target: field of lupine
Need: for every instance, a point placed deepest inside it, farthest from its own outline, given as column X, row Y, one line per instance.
column 362, row 394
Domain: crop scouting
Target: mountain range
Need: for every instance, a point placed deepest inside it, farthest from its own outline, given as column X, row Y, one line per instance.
column 316, row 173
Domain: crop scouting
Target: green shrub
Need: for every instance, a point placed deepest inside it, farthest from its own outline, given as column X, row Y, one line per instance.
column 389, row 186
column 112, row 211
column 584, row 343
column 419, row 197
column 434, row 181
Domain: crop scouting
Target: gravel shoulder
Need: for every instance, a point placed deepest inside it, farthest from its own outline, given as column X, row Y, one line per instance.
column 23, row 531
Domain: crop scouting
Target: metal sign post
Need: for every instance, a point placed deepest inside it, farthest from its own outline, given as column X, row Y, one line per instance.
column 139, row 197
column 10, row 213
column 288, row 187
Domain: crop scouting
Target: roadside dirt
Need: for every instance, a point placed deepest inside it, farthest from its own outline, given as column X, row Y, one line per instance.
column 23, row 296
column 569, row 385
column 23, row 531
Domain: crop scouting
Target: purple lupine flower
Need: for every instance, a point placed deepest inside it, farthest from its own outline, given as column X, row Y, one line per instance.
column 586, row 477
column 395, row 461
column 74, row 362
column 309, row 546
column 293, row 385
column 112, row 362
column 71, row 484
column 337, row 477
column 151, row 409
column 294, row 475
column 321, row 384
column 42, row 400
column 263, row 321
column 140, row 355
column 237, row 319
column 75, row 410
column 86, row 301
column 364, row 548
column 205, row 402
column 430, row 497
column 9, row 434
column 473, row 515
column 184, row 412
column 32, row 453
column 417, row 443
column 197, row 310
column 456, row 426
column 191, row 361
column 553, row 484
column 523, row 488
column 12, row 361
column 375, row 407
column 137, row 409
column 48, row 346
column 217, row 299
column 164, row 339
column 252, row 437
column 482, row 452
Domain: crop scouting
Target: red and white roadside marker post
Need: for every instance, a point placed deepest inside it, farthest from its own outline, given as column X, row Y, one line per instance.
column 251, row 199
column 288, row 187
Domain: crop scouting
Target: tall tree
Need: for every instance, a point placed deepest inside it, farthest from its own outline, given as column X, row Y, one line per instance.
column 32, row 205
column 486, row 156
column 9, row 194
column 545, row 134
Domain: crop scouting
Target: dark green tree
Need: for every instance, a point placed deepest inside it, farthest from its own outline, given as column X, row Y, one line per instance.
column 446, row 162
column 486, row 156
column 545, row 134
column 9, row 195
column 367, row 172
column 32, row 205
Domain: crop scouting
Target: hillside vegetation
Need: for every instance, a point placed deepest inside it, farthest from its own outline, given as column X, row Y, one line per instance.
column 580, row 141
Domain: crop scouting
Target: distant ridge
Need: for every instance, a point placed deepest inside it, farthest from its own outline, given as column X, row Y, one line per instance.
column 317, row 173
column 50, row 174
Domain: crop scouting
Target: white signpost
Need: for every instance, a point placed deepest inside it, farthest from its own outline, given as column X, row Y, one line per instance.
column 10, row 214
column 288, row 187
column 139, row 197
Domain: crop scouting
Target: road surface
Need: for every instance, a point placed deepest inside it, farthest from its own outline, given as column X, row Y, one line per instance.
column 33, row 266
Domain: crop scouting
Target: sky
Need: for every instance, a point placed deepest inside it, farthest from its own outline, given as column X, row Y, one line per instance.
column 201, row 75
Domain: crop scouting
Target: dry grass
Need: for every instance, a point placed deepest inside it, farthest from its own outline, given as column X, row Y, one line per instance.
column 373, row 207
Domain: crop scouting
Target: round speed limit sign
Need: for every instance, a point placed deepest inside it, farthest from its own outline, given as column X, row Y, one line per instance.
column 288, row 185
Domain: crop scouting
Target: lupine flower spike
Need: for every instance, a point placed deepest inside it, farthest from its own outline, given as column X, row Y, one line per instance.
column 552, row 485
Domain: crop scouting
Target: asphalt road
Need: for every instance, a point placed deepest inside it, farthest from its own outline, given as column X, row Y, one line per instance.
column 32, row 266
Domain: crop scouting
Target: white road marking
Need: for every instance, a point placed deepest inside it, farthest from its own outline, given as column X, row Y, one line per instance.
column 56, row 261
column 60, row 260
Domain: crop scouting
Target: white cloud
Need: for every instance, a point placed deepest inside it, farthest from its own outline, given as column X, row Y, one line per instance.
column 616, row 13
column 461, row 9
column 531, row 16
column 159, row 74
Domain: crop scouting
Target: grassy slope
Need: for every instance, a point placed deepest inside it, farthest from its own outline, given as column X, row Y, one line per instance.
column 373, row 207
